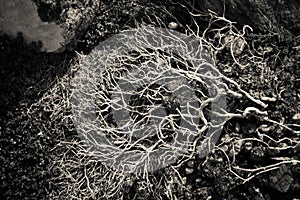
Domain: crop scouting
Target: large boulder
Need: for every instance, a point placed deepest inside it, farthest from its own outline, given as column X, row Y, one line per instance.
column 55, row 24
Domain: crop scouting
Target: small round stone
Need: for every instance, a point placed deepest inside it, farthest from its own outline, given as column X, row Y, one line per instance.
column 173, row 25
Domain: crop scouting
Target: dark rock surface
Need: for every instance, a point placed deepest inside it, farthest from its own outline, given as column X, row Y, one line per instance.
column 272, row 16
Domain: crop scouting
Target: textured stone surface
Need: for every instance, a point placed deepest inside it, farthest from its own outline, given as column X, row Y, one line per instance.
column 54, row 24
column 22, row 16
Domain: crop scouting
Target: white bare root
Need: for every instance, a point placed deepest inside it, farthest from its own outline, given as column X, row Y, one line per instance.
column 78, row 173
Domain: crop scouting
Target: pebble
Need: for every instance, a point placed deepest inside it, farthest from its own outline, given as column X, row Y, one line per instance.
column 173, row 25
column 189, row 170
column 296, row 116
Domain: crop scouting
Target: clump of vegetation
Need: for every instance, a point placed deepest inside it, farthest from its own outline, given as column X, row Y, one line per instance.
column 255, row 157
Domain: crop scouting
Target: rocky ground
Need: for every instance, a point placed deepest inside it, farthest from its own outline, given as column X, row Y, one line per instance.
column 257, row 156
